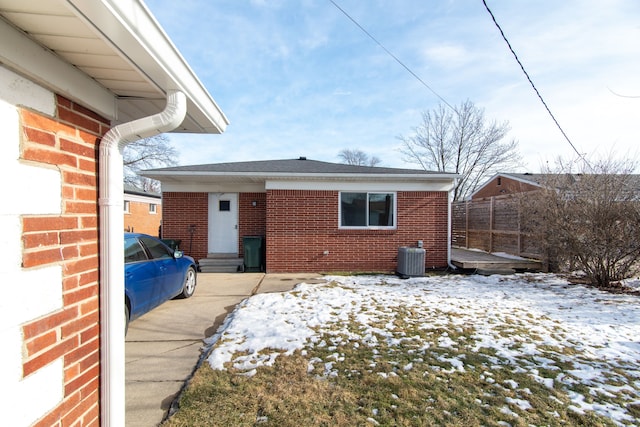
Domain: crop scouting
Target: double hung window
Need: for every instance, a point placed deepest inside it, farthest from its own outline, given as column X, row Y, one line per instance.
column 367, row 210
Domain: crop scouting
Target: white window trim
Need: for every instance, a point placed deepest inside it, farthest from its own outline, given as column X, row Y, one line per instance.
column 127, row 206
column 369, row 227
column 153, row 208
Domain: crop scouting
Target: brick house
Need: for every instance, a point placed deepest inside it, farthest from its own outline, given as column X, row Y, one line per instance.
column 504, row 184
column 314, row 216
column 142, row 211
column 78, row 81
column 493, row 220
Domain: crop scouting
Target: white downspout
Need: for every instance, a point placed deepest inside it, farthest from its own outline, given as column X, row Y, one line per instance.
column 449, row 224
column 112, row 366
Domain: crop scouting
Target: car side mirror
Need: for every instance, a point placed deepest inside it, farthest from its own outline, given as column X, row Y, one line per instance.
column 177, row 254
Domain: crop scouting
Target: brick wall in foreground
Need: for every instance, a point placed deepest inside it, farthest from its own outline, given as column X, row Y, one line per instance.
column 66, row 142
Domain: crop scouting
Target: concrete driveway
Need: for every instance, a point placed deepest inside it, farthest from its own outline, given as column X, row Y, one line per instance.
column 164, row 346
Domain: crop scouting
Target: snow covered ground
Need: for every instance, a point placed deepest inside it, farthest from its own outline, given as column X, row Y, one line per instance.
column 594, row 332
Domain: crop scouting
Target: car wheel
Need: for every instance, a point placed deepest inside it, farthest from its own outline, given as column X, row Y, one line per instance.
column 189, row 286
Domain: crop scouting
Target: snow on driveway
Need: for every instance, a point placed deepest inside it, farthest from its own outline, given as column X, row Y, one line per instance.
column 532, row 321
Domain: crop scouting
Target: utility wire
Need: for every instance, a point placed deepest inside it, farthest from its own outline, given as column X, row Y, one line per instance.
column 623, row 96
column 531, row 82
column 345, row 13
column 392, row 55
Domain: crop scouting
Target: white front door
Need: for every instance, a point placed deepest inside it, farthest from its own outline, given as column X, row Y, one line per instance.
column 223, row 223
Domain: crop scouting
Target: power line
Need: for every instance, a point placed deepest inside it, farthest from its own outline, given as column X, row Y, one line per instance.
column 623, row 96
column 531, row 82
column 392, row 55
column 345, row 13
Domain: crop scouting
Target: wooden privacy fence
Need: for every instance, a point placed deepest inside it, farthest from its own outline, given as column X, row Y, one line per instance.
column 492, row 225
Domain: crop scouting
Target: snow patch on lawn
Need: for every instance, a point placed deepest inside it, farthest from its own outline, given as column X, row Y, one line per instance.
column 596, row 333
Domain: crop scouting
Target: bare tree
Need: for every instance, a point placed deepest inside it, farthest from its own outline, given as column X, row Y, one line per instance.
column 147, row 153
column 588, row 218
column 358, row 158
column 463, row 142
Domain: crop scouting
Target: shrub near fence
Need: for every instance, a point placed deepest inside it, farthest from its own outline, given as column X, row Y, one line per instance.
column 493, row 225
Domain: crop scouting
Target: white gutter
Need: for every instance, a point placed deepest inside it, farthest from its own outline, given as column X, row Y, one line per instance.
column 112, row 399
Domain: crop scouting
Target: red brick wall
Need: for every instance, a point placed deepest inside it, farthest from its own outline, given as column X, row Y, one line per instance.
column 501, row 186
column 302, row 225
column 69, row 142
column 140, row 220
column 252, row 220
column 179, row 211
column 183, row 209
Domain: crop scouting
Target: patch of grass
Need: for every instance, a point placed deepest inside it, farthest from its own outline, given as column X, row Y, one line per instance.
column 634, row 410
column 282, row 395
column 398, row 383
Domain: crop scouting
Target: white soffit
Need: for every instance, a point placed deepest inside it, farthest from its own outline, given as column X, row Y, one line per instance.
column 111, row 56
column 418, row 182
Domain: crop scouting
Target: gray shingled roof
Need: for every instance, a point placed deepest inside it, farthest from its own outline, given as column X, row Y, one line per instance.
column 292, row 166
column 632, row 181
column 130, row 189
column 535, row 178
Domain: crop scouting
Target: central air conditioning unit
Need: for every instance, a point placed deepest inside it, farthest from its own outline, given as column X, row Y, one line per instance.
column 410, row 262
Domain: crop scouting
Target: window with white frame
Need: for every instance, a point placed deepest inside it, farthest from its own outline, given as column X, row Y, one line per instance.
column 367, row 210
column 127, row 206
column 152, row 208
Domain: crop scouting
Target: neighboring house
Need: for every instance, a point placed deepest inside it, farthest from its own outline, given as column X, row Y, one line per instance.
column 142, row 211
column 314, row 216
column 78, row 81
column 504, row 184
column 492, row 220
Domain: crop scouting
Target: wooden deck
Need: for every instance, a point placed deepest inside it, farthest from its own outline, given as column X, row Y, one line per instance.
column 483, row 261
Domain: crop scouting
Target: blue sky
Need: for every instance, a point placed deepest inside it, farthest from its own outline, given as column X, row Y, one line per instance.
column 298, row 78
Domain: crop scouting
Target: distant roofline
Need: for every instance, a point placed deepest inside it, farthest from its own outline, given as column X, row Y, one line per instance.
column 129, row 189
column 524, row 177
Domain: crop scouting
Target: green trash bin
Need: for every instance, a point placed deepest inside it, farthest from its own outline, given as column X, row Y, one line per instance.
column 174, row 244
column 253, row 253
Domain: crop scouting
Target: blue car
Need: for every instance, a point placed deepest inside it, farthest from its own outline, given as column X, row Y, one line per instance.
column 154, row 273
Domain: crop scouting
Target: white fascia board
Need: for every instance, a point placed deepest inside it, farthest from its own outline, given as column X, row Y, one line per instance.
column 419, row 177
column 23, row 55
column 359, row 185
column 129, row 27
column 299, row 176
column 184, row 180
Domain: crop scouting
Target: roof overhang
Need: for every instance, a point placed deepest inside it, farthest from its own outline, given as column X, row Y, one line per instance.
column 251, row 177
column 249, row 181
column 110, row 56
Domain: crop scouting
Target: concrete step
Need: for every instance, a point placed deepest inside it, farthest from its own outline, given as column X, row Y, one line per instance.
column 221, row 264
